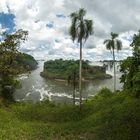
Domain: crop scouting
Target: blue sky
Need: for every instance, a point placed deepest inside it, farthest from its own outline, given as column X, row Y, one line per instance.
column 7, row 21
column 48, row 24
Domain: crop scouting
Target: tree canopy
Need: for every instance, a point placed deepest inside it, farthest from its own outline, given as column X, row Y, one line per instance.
column 130, row 68
column 9, row 68
column 80, row 28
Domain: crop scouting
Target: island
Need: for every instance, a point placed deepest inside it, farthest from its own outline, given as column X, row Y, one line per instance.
column 60, row 69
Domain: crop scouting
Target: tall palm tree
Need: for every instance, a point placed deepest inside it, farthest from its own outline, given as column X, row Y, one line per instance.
column 112, row 44
column 80, row 29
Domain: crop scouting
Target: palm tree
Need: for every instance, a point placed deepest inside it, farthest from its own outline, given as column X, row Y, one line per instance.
column 80, row 29
column 112, row 44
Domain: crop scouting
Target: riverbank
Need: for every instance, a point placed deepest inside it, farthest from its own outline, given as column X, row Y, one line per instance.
column 104, row 116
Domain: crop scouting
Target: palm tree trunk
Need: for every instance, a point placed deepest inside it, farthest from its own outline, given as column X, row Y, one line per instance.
column 114, row 71
column 80, row 75
column 74, row 88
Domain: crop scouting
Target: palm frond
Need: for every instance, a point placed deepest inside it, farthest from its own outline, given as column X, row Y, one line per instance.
column 118, row 45
column 82, row 31
column 114, row 35
column 89, row 28
column 81, row 13
column 73, row 15
column 73, row 28
column 80, row 28
column 113, row 43
column 106, row 41
column 109, row 45
column 72, row 32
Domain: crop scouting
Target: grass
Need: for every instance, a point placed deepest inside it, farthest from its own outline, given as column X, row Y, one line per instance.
column 106, row 116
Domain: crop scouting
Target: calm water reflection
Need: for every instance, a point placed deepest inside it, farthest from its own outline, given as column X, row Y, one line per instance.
column 36, row 88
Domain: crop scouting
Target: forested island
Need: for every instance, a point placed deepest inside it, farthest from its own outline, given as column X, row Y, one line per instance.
column 66, row 69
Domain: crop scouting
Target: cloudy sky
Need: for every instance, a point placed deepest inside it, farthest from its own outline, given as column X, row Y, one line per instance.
column 48, row 24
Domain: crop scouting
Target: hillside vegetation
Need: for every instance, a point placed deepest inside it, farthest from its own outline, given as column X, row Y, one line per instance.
column 27, row 61
column 107, row 116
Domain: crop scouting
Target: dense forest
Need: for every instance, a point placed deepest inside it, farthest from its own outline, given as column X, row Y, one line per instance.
column 27, row 61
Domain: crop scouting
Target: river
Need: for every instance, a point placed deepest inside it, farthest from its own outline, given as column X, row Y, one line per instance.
column 35, row 88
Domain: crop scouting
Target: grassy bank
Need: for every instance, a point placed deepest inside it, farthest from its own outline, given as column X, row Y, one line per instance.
column 106, row 116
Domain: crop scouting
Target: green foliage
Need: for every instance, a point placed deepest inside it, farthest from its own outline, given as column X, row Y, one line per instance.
column 27, row 61
column 110, row 43
column 136, row 82
column 9, row 67
column 130, row 68
column 80, row 28
column 8, row 52
column 63, row 68
column 106, row 116
column 105, row 92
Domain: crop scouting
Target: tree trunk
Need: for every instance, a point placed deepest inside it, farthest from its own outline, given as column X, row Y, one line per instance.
column 114, row 71
column 74, row 88
column 80, row 75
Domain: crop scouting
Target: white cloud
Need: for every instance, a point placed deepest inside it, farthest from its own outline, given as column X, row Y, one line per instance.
column 33, row 15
